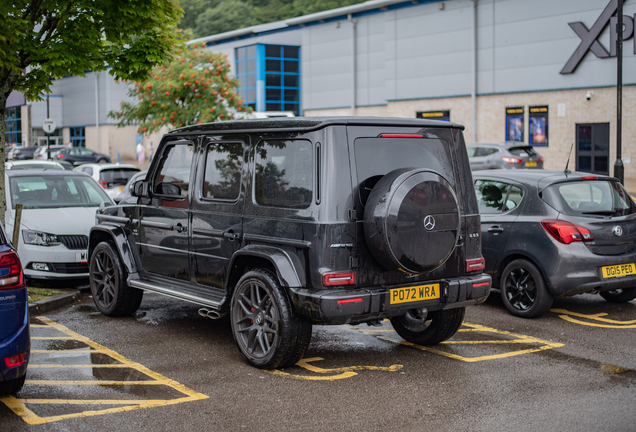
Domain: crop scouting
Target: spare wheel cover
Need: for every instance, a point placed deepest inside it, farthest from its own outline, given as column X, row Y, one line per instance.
column 411, row 220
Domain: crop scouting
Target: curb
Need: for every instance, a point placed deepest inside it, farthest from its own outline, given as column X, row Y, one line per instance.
column 54, row 302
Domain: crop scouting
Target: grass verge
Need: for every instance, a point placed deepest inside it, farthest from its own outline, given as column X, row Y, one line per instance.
column 36, row 294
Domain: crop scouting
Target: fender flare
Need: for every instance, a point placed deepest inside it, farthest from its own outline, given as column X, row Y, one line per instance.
column 288, row 267
column 117, row 236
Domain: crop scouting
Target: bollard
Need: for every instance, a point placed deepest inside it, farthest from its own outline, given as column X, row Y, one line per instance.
column 118, row 159
column 16, row 226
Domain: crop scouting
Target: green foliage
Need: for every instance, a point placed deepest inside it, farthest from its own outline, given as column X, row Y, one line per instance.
column 209, row 17
column 196, row 87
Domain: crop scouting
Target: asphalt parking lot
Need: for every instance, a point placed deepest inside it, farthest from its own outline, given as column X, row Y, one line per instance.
column 167, row 368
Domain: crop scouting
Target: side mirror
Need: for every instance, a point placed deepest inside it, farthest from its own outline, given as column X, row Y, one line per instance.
column 139, row 189
column 165, row 188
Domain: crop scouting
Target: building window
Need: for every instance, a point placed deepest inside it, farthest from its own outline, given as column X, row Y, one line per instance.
column 269, row 77
column 246, row 74
column 538, row 125
column 514, row 124
column 434, row 115
column 13, row 125
column 78, row 136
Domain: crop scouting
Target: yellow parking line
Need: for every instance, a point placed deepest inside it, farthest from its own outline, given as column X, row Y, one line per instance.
column 20, row 406
column 347, row 371
column 594, row 317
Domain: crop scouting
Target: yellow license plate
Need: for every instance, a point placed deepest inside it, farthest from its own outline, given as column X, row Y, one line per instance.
column 618, row 270
column 531, row 164
column 413, row 294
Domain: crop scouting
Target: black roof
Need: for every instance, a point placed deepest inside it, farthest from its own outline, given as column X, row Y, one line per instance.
column 536, row 177
column 310, row 123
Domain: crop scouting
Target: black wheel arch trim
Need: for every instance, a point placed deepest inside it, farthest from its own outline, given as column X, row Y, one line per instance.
column 117, row 236
column 288, row 266
column 514, row 255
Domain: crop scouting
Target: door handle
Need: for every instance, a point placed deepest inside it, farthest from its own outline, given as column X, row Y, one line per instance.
column 230, row 235
column 180, row 228
column 496, row 229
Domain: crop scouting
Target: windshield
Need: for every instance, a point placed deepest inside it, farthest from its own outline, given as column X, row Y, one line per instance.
column 602, row 198
column 56, row 191
column 117, row 176
column 522, row 151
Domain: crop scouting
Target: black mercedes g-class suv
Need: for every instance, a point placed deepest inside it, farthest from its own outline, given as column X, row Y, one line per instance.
column 287, row 222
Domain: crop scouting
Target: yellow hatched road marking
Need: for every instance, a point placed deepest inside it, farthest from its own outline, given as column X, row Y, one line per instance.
column 346, row 372
column 518, row 339
column 19, row 406
column 567, row 315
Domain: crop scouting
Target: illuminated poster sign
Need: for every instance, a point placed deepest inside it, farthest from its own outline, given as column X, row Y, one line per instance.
column 514, row 124
column 589, row 38
column 538, row 125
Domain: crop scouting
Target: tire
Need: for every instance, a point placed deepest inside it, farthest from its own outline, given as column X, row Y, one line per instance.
column 12, row 386
column 411, row 220
column 619, row 295
column 523, row 290
column 439, row 326
column 111, row 295
column 303, row 338
column 266, row 329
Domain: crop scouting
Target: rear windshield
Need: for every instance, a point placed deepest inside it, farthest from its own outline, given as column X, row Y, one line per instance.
column 117, row 176
column 522, row 151
column 602, row 198
column 56, row 191
column 376, row 157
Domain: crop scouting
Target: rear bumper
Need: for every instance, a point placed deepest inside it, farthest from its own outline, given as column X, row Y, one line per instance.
column 16, row 343
column 352, row 306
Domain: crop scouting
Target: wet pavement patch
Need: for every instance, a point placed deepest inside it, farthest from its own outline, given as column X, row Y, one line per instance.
column 71, row 376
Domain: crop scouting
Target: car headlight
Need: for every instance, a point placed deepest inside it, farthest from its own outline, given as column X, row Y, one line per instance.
column 39, row 238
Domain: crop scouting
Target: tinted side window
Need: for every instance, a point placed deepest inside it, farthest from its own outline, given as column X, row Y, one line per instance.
column 284, row 173
column 491, row 196
column 174, row 168
column 223, row 165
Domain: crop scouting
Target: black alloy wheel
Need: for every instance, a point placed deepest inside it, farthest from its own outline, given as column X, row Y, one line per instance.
column 619, row 295
column 432, row 329
column 265, row 327
column 111, row 295
column 523, row 291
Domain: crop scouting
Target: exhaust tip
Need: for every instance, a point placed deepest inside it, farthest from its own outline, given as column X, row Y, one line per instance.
column 209, row 313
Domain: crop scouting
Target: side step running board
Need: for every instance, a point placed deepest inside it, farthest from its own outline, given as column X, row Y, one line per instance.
column 146, row 286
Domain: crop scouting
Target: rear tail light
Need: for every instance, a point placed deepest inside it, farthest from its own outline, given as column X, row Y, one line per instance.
column 339, row 279
column 60, row 156
column 11, row 274
column 566, row 232
column 401, row 135
column 541, row 159
column 589, row 178
column 477, row 264
column 15, row 360
column 103, row 184
column 511, row 160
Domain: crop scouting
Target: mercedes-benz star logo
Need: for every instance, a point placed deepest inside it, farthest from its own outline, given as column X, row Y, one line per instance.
column 429, row 222
column 618, row 231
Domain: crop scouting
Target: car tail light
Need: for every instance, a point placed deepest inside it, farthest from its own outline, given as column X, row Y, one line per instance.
column 351, row 300
column 566, row 232
column 477, row 264
column 103, row 184
column 401, row 135
column 589, row 178
column 60, row 156
column 15, row 360
column 511, row 160
column 11, row 274
column 339, row 278
column 541, row 159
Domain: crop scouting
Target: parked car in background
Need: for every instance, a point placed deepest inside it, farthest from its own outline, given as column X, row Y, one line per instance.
column 125, row 197
column 80, row 155
column 112, row 177
column 507, row 155
column 552, row 234
column 15, row 343
column 32, row 164
column 58, row 212
column 40, row 152
column 21, row 153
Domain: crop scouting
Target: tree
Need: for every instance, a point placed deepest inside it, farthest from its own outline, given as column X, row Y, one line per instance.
column 227, row 16
column 43, row 40
column 195, row 87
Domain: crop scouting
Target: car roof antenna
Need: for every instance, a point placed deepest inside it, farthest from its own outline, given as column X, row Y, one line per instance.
column 566, row 170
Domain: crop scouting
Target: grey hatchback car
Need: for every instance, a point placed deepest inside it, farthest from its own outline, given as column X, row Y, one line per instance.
column 552, row 234
column 507, row 155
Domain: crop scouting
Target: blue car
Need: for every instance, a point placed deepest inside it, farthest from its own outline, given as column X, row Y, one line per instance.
column 15, row 343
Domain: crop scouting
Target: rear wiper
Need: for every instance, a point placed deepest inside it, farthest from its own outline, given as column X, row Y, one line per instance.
column 602, row 212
